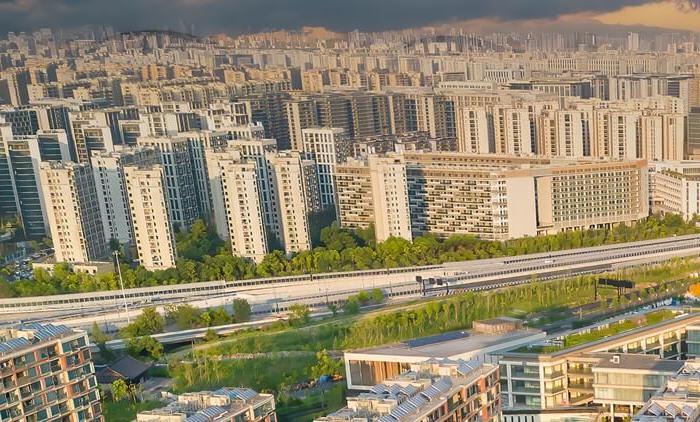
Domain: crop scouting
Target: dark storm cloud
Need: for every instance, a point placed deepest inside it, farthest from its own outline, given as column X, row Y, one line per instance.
column 234, row 16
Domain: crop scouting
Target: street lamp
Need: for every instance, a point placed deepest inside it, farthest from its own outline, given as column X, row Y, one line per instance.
column 121, row 284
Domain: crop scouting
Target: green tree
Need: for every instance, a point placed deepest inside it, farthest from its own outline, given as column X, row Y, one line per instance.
column 210, row 335
column 187, row 316
column 241, row 310
column 120, row 390
column 299, row 314
column 219, row 316
column 325, row 365
column 335, row 238
column 351, row 306
column 148, row 323
column 145, row 346
column 377, row 296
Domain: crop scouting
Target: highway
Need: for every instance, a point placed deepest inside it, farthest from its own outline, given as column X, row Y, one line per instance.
column 275, row 295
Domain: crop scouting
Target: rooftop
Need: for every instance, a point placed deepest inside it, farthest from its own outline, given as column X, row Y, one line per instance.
column 449, row 345
column 638, row 362
column 604, row 331
column 206, row 406
column 22, row 336
column 414, row 393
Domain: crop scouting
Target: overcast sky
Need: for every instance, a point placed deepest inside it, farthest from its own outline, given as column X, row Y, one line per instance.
column 235, row 16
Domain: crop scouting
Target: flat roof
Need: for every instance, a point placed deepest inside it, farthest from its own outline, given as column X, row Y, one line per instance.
column 446, row 345
column 682, row 320
column 638, row 362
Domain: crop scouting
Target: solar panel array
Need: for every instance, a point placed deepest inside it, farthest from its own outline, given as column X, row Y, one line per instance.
column 467, row 367
column 13, row 345
column 415, row 401
column 207, row 415
column 671, row 410
column 44, row 332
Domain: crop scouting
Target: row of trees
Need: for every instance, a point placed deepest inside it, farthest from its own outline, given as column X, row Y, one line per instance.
column 460, row 311
column 137, row 334
column 204, row 257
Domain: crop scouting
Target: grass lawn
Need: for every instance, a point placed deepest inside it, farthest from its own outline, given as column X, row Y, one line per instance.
column 260, row 374
column 125, row 411
column 599, row 333
column 314, row 406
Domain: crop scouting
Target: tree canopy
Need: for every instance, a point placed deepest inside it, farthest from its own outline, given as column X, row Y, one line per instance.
column 203, row 257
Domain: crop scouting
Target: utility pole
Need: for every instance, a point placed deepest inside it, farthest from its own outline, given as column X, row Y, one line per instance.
column 121, row 284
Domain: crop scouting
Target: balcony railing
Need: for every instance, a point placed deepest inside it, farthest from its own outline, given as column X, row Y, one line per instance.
column 523, row 389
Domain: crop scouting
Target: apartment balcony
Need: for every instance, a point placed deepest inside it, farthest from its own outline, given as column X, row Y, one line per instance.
column 554, row 374
column 526, row 390
column 525, row 374
column 582, row 399
column 588, row 386
column 554, row 390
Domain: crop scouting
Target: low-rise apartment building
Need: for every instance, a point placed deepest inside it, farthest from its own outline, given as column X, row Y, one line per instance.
column 367, row 367
column 222, row 405
column 47, row 374
column 568, row 370
column 675, row 188
column 434, row 390
column 678, row 402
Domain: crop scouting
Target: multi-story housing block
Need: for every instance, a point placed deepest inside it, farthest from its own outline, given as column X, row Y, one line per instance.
column 73, row 211
column 47, row 374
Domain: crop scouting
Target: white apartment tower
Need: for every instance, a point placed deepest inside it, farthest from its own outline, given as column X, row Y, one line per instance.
column 512, row 132
column 390, row 195
column 288, row 170
column 616, row 134
column 328, row 147
column 73, row 212
column 563, row 133
column 90, row 132
column 180, row 184
column 153, row 233
column 243, row 209
column 256, row 151
column 473, row 130
column 108, row 171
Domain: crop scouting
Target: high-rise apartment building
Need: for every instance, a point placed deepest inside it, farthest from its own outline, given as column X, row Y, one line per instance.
column 8, row 203
column 110, row 181
column 236, row 201
column 692, row 140
column 257, row 151
column 24, row 155
column 48, row 374
column 180, row 184
column 90, row 132
column 512, row 132
column 293, row 187
column 474, row 134
column 72, row 211
column 153, row 233
column 198, row 142
column 562, row 133
column 244, row 209
column 327, row 147
column 390, row 197
column 374, row 193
